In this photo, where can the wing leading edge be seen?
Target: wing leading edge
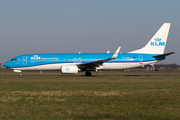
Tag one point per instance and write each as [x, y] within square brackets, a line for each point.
[93, 65]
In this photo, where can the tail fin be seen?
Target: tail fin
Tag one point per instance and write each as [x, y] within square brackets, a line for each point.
[157, 43]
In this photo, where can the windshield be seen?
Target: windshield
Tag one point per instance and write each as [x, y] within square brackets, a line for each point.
[13, 59]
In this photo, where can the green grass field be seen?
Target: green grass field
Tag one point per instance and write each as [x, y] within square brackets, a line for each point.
[122, 96]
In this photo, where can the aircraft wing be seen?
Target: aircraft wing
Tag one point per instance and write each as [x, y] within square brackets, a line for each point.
[94, 64]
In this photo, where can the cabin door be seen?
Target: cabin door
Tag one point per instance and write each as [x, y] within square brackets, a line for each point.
[24, 60]
[140, 59]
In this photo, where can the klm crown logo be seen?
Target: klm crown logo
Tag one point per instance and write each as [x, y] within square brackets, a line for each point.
[67, 69]
[35, 57]
[157, 42]
[157, 39]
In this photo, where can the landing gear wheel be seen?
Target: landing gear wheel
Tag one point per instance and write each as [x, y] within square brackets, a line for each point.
[88, 73]
[20, 74]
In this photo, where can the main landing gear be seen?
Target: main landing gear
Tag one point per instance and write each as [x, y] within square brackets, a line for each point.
[88, 73]
[20, 74]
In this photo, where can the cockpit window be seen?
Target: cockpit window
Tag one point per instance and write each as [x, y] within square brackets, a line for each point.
[13, 59]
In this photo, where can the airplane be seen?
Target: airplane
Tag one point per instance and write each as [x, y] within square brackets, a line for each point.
[72, 63]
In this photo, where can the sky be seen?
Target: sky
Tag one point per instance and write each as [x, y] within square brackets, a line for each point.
[89, 26]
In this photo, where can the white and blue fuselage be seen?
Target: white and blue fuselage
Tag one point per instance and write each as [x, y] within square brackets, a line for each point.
[55, 61]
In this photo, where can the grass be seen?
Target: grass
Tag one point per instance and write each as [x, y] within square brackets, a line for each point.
[86, 98]
[8, 72]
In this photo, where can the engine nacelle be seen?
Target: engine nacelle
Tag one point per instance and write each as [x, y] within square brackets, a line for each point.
[69, 69]
[18, 71]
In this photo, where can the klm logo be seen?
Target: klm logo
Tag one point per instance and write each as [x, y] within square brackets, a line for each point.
[67, 69]
[157, 42]
[35, 57]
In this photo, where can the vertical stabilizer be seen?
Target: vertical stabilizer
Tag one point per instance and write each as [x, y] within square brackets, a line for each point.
[157, 43]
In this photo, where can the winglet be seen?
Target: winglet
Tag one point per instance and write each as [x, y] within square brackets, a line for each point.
[114, 56]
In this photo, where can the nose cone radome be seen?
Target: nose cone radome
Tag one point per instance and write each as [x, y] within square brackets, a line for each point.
[7, 64]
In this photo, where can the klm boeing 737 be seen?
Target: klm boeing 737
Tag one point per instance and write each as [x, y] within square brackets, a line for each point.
[72, 63]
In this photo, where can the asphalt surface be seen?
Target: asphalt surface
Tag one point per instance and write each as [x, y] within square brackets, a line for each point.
[126, 76]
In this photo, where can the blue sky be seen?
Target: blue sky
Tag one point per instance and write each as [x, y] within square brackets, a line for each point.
[94, 26]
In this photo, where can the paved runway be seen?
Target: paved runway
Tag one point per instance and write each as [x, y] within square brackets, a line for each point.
[126, 76]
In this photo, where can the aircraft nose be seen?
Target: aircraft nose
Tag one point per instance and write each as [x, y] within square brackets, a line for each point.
[7, 64]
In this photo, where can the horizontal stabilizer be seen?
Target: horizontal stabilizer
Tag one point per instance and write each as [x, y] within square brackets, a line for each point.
[163, 55]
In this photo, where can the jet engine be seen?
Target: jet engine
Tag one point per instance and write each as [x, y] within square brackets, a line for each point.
[69, 69]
